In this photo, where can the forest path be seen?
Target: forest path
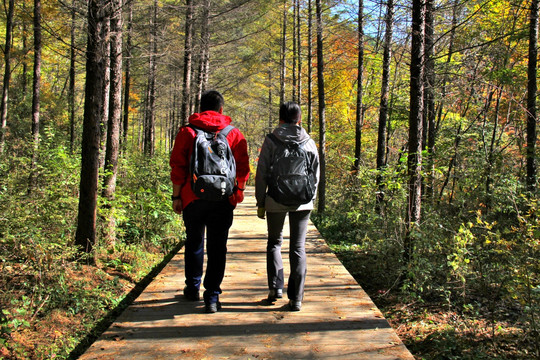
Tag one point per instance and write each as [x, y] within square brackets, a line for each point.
[338, 320]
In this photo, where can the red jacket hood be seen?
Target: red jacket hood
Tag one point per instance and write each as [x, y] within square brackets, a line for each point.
[210, 120]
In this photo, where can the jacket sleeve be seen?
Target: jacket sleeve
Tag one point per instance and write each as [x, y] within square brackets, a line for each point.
[180, 156]
[240, 152]
[263, 168]
[312, 149]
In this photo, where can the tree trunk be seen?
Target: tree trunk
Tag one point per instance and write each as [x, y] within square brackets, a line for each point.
[531, 97]
[441, 106]
[7, 76]
[127, 86]
[150, 116]
[283, 74]
[71, 95]
[448, 59]
[299, 51]
[310, 67]
[383, 110]
[429, 98]
[270, 102]
[174, 113]
[294, 55]
[106, 86]
[36, 86]
[115, 107]
[359, 88]
[202, 77]
[414, 162]
[85, 236]
[188, 49]
[24, 82]
[322, 109]
[490, 156]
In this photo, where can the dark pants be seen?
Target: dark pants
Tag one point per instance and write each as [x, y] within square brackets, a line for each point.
[298, 221]
[216, 218]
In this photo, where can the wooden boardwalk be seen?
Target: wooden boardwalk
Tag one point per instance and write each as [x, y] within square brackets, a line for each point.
[338, 320]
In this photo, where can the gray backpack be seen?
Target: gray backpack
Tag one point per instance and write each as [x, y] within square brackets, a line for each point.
[291, 179]
[213, 168]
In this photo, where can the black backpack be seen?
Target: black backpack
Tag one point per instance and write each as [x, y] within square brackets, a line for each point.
[291, 179]
[213, 168]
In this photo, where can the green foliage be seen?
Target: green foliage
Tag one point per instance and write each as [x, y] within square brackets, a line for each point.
[49, 298]
[479, 261]
[141, 208]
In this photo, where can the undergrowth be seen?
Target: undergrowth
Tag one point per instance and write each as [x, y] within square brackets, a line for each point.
[472, 288]
[51, 297]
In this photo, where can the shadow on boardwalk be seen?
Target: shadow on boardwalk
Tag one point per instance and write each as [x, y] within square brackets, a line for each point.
[338, 320]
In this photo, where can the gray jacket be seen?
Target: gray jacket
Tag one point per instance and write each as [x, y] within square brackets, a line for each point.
[286, 133]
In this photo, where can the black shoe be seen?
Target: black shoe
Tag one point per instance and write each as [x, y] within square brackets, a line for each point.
[191, 295]
[275, 294]
[295, 305]
[212, 307]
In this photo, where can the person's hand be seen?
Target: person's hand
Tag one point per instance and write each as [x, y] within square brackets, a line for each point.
[237, 197]
[239, 194]
[177, 206]
[260, 212]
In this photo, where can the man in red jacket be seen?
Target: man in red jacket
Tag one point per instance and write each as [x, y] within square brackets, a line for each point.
[199, 215]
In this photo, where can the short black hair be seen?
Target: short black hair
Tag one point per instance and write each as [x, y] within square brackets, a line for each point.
[211, 100]
[290, 112]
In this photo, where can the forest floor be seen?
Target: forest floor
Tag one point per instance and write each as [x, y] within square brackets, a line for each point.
[431, 331]
[437, 330]
[73, 310]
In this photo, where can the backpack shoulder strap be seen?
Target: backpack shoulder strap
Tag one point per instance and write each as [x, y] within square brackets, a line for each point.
[197, 129]
[274, 139]
[226, 130]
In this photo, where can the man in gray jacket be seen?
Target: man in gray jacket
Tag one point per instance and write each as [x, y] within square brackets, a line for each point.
[288, 131]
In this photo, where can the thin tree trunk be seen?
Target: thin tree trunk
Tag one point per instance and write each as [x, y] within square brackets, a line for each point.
[85, 236]
[383, 110]
[270, 101]
[283, 74]
[36, 86]
[106, 87]
[202, 77]
[188, 49]
[491, 152]
[379, 29]
[71, 96]
[310, 67]
[294, 54]
[359, 88]
[127, 86]
[174, 115]
[24, 82]
[531, 97]
[299, 51]
[115, 107]
[150, 116]
[7, 76]
[452, 162]
[395, 83]
[414, 162]
[442, 102]
[429, 98]
[322, 109]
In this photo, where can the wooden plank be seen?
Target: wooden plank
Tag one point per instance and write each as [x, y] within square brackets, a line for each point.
[338, 320]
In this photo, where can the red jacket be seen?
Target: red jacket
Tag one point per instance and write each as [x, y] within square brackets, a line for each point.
[183, 147]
